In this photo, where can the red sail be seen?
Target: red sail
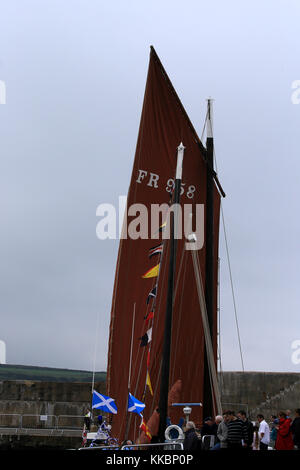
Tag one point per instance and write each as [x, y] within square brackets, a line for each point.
[164, 125]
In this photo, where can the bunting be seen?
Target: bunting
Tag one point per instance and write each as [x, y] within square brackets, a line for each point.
[146, 338]
[148, 359]
[144, 427]
[153, 272]
[149, 316]
[156, 250]
[162, 227]
[148, 382]
[152, 294]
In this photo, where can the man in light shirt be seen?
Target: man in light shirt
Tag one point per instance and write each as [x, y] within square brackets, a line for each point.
[263, 432]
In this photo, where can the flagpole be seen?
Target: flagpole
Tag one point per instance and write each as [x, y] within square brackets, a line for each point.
[165, 368]
[94, 363]
[129, 374]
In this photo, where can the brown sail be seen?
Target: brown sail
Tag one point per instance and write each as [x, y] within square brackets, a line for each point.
[164, 125]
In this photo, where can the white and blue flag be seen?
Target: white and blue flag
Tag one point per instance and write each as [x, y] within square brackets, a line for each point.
[104, 403]
[135, 405]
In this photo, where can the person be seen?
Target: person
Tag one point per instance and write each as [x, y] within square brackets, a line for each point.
[87, 419]
[237, 433]
[295, 428]
[209, 427]
[255, 443]
[273, 435]
[191, 441]
[284, 440]
[249, 429]
[263, 432]
[223, 432]
[127, 445]
[218, 421]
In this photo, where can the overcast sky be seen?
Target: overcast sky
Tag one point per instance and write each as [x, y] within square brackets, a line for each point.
[75, 74]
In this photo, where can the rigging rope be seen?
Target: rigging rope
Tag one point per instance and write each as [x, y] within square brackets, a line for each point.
[230, 274]
[232, 289]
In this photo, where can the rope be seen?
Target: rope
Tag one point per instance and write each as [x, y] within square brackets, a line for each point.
[232, 289]
[219, 349]
[230, 274]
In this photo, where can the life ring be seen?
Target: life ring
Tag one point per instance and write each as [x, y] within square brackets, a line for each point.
[177, 428]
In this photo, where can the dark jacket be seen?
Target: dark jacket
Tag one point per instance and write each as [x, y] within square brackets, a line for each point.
[249, 432]
[209, 430]
[295, 428]
[236, 432]
[191, 441]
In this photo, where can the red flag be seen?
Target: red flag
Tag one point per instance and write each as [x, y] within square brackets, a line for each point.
[149, 316]
[148, 359]
[145, 428]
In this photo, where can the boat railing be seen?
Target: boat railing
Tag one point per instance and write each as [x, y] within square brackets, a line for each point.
[172, 445]
[208, 441]
[152, 447]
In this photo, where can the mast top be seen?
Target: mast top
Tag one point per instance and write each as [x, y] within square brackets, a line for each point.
[209, 126]
[180, 152]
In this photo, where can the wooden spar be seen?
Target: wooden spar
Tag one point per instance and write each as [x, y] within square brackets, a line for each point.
[213, 378]
[165, 368]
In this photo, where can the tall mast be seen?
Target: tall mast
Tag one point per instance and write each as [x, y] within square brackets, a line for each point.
[165, 368]
[209, 263]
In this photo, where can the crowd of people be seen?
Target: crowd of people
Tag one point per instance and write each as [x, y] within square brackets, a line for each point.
[231, 431]
[235, 431]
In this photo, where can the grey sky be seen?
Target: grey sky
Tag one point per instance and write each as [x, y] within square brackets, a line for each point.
[75, 75]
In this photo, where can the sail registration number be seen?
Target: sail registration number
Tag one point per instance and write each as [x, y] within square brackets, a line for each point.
[152, 180]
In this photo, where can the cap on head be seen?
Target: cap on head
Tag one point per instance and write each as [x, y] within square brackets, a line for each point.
[209, 418]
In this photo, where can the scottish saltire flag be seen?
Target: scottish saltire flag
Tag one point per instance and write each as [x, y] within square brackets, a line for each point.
[101, 402]
[135, 405]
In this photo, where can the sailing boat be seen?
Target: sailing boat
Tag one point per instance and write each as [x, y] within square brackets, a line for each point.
[141, 278]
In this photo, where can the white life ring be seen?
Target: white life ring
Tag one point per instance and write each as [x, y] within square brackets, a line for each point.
[177, 428]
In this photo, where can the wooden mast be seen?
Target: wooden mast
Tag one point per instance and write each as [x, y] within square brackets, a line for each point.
[208, 405]
[165, 368]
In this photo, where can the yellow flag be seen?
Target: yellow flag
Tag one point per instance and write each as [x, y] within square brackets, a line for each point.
[148, 382]
[153, 272]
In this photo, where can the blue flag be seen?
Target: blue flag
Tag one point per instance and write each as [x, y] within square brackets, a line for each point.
[135, 405]
[104, 403]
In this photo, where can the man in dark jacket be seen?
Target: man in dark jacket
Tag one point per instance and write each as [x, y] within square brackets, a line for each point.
[295, 427]
[209, 428]
[237, 433]
[249, 429]
[191, 441]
